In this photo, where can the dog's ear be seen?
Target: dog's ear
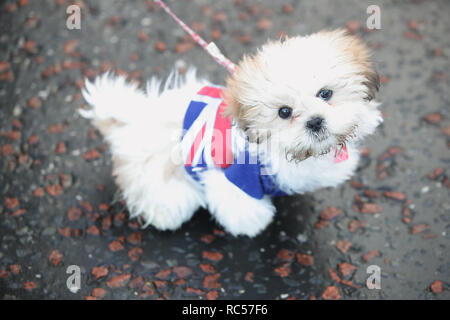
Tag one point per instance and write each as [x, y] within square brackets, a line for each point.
[358, 53]
[232, 93]
[243, 77]
[373, 84]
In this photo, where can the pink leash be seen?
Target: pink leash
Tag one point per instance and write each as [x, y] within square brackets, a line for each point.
[211, 48]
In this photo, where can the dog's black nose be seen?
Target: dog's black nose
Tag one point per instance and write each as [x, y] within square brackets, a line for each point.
[315, 124]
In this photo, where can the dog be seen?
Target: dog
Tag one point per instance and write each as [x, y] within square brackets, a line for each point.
[288, 121]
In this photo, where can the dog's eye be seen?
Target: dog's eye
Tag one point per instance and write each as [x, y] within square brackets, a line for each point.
[324, 94]
[285, 112]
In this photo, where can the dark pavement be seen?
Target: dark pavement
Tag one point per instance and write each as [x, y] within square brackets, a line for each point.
[56, 189]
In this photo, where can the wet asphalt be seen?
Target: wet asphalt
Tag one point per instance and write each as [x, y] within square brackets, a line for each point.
[57, 195]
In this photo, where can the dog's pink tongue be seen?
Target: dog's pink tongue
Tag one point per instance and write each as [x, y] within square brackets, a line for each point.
[341, 155]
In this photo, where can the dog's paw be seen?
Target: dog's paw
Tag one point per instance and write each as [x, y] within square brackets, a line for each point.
[247, 222]
[236, 211]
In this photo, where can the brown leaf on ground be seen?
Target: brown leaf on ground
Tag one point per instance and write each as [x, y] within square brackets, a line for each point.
[249, 276]
[119, 281]
[436, 286]
[212, 295]
[333, 274]
[207, 267]
[285, 255]
[30, 285]
[436, 173]
[210, 281]
[346, 269]
[98, 292]
[74, 213]
[417, 228]
[99, 272]
[11, 203]
[331, 293]
[343, 245]
[370, 255]
[395, 195]
[182, 272]
[91, 155]
[160, 46]
[213, 256]
[305, 259]
[34, 103]
[433, 118]
[283, 271]
[371, 208]
[329, 213]
[55, 257]
[135, 253]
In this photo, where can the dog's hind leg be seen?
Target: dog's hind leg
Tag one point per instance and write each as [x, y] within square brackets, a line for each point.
[157, 191]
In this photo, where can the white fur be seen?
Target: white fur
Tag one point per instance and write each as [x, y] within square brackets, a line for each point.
[144, 130]
[239, 213]
[143, 137]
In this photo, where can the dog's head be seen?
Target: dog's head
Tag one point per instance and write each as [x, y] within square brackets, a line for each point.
[313, 93]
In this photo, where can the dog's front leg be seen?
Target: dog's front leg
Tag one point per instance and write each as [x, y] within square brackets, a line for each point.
[236, 211]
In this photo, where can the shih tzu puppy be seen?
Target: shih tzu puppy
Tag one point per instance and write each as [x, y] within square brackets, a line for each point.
[288, 121]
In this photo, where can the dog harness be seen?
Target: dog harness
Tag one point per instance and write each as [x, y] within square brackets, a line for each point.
[210, 141]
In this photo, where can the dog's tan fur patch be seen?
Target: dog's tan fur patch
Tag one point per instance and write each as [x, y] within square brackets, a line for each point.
[360, 54]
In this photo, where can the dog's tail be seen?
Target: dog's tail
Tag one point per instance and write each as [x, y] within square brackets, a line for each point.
[114, 102]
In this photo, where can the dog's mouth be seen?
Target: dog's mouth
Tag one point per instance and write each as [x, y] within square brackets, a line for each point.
[339, 149]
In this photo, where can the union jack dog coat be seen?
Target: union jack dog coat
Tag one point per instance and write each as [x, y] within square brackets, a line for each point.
[210, 142]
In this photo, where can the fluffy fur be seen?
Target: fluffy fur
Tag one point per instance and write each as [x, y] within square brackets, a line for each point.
[144, 129]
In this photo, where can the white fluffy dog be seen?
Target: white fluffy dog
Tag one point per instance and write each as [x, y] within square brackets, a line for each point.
[287, 122]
